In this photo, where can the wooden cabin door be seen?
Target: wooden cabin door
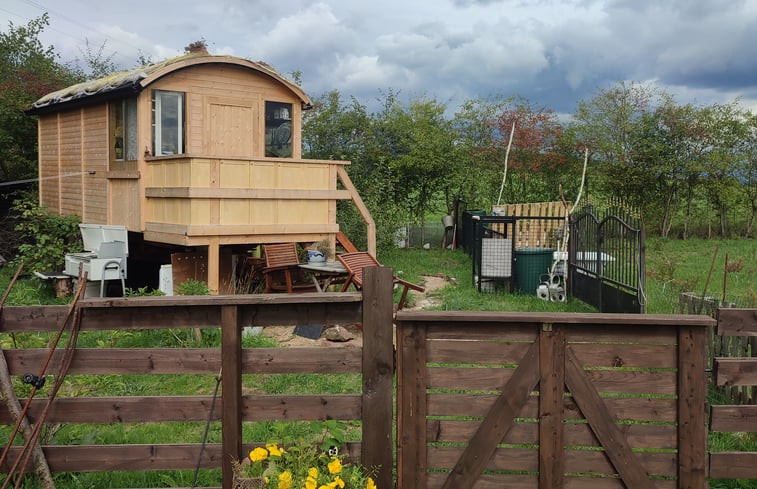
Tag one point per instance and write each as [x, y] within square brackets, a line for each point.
[230, 128]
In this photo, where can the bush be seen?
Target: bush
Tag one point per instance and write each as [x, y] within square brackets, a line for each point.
[46, 238]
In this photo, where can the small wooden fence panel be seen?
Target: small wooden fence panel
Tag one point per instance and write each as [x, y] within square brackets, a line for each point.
[735, 372]
[532, 400]
[538, 224]
[373, 361]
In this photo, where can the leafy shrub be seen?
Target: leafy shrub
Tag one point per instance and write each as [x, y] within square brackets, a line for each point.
[45, 237]
[192, 287]
[143, 292]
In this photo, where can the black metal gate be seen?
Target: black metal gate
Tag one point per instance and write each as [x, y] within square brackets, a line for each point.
[606, 260]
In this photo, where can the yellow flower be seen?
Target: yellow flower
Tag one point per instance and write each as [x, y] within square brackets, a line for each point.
[285, 480]
[335, 466]
[370, 484]
[310, 483]
[338, 482]
[274, 449]
[258, 454]
[313, 473]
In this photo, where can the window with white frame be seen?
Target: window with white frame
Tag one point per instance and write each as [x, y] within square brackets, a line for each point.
[168, 122]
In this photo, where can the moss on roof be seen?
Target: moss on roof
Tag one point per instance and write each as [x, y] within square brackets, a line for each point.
[133, 77]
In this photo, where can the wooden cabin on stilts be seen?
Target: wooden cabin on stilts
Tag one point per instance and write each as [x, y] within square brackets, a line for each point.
[199, 157]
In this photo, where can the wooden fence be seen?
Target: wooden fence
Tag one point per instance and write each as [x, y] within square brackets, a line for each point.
[539, 224]
[527, 400]
[517, 400]
[374, 361]
[735, 372]
[734, 346]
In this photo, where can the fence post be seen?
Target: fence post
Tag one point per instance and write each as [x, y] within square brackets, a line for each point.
[231, 368]
[378, 373]
[692, 430]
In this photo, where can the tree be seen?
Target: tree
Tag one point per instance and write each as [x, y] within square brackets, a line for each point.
[27, 72]
[423, 153]
[533, 153]
[729, 128]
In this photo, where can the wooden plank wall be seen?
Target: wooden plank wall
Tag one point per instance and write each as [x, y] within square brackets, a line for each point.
[94, 123]
[535, 232]
[734, 418]
[48, 162]
[374, 361]
[73, 163]
[633, 398]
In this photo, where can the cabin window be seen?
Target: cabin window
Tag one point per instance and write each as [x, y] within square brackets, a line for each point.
[125, 129]
[168, 122]
[278, 129]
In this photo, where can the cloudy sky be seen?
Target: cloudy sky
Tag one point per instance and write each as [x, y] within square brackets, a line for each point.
[553, 52]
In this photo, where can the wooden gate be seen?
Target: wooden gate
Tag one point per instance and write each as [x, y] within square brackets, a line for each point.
[535, 400]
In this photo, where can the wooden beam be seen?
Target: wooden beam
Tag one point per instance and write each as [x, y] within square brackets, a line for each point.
[735, 371]
[602, 423]
[411, 404]
[219, 230]
[378, 373]
[733, 465]
[551, 402]
[244, 193]
[362, 209]
[733, 418]
[692, 392]
[498, 421]
[231, 354]
[737, 322]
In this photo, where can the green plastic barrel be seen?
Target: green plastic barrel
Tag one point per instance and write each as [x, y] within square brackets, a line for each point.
[530, 265]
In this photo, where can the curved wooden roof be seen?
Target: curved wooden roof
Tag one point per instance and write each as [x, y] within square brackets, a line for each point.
[137, 79]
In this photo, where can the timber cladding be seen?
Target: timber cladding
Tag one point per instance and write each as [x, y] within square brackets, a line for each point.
[532, 400]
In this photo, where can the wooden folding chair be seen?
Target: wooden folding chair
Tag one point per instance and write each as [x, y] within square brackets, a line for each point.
[354, 264]
[282, 270]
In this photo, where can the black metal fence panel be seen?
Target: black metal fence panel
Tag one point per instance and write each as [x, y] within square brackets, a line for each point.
[606, 260]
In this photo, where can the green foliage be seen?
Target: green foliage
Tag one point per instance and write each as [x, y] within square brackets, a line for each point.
[28, 70]
[192, 287]
[45, 237]
[301, 462]
[144, 292]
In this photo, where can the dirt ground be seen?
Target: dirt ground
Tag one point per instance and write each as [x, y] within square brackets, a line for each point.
[284, 335]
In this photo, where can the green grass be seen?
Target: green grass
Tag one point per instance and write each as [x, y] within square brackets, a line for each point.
[675, 266]
[460, 294]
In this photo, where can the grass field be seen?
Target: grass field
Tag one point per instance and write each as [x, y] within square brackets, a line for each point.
[672, 267]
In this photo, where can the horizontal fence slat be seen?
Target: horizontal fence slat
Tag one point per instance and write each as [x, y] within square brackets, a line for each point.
[733, 465]
[189, 360]
[735, 371]
[475, 352]
[627, 409]
[620, 355]
[519, 481]
[737, 322]
[579, 461]
[641, 436]
[189, 312]
[460, 319]
[733, 418]
[99, 458]
[609, 381]
[147, 409]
